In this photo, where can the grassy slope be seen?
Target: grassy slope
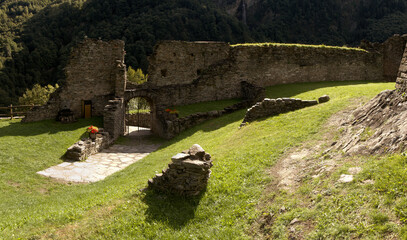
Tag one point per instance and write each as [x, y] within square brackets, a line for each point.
[115, 208]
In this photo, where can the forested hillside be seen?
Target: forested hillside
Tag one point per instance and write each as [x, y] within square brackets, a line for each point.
[333, 22]
[37, 35]
[36, 40]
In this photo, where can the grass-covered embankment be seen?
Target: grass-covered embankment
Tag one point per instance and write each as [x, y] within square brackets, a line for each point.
[32, 206]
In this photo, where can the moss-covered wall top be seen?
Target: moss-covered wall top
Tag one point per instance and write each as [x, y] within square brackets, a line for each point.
[265, 65]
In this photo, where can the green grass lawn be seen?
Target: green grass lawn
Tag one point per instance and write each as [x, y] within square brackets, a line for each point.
[33, 207]
[139, 111]
[298, 45]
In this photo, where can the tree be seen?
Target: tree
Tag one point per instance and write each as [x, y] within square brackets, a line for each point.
[37, 95]
[136, 76]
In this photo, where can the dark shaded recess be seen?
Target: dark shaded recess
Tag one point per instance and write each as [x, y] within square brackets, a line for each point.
[48, 37]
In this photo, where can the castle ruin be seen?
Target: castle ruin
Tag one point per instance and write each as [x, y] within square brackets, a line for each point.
[191, 72]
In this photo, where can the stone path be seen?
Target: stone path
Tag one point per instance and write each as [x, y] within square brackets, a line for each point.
[97, 167]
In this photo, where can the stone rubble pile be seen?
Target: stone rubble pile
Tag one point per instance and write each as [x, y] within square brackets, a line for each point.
[271, 107]
[186, 175]
[82, 149]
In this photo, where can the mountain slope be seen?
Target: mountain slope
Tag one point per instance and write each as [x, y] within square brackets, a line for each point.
[38, 42]
[36, 36]
[333, 22]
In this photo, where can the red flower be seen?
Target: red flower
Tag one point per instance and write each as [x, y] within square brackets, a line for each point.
[93, 129]
[168, 110]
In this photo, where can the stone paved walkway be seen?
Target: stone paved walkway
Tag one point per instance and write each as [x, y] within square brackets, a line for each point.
[97, 167]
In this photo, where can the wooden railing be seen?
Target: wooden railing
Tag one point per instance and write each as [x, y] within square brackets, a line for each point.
[16, 111]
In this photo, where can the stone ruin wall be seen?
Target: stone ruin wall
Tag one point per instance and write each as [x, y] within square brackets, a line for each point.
[191, 72]
[401, 82]
[177, 62]
[95, 72]
[393, 49]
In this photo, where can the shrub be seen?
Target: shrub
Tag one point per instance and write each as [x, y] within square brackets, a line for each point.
[37, 95]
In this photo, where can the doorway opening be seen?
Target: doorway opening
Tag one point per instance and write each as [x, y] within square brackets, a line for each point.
[86, 108]
[139, 114]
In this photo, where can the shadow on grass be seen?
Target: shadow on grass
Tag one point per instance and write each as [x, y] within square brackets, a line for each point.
[176, 211]
[16, 128]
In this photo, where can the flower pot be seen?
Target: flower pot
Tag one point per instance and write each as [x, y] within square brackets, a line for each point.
[92, 136]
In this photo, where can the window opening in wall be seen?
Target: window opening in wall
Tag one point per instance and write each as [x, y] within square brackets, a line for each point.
[163, 72]
[86, 108]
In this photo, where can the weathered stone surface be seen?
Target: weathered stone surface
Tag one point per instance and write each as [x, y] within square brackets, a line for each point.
[393, 49]
[270, 107]
[344, 178]
[379, 126]
[197, 151]
[100, 165]
[81, 150]
[180, 157]
[324, 99]
[95, 72]
[187, 175]
[170, 127]
[218, 69]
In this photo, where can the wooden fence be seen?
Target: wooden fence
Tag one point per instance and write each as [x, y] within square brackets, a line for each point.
[15, 111]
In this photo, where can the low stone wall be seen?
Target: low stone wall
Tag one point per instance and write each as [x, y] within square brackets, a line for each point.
[271, 107]
[139, 119]
[187, 175]
[173, 125]
[81, 150]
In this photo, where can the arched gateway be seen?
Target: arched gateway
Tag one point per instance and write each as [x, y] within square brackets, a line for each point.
[152, 99]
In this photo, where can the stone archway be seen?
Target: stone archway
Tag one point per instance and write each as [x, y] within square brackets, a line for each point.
[155, 124]
[139, 113]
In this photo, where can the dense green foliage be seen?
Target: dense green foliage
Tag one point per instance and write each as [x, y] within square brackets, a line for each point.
[35, 45]
[37, 95]
[331, 22]
[136, 76]
[36, 36]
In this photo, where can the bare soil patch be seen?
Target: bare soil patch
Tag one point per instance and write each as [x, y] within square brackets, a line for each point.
[310, 160]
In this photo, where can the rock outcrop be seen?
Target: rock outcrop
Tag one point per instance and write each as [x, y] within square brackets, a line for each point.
[186, 175]
[379, 126]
